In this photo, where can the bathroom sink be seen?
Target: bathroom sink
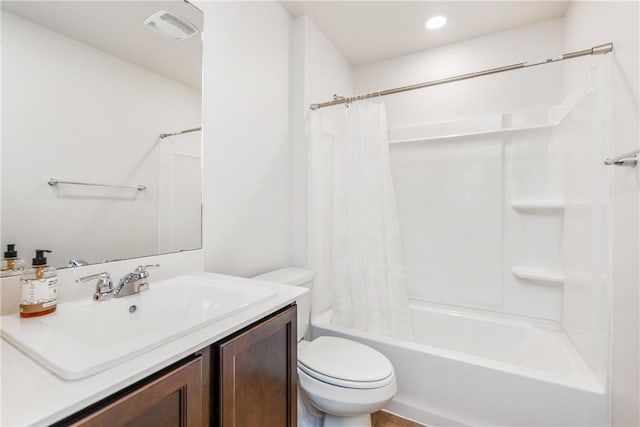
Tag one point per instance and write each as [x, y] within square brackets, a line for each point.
[85, 337]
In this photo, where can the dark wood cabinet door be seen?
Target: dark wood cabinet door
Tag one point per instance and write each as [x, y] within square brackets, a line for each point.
[256, 374]
[174, 398]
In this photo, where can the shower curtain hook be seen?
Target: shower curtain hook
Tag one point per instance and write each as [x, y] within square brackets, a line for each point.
[341, 98]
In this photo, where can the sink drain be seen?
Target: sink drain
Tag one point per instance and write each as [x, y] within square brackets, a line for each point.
[133, 308]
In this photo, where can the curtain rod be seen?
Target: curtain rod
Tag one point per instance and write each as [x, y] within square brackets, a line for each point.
[596, 50]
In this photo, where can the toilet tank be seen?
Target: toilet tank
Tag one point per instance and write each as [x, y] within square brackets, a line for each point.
[295, 277]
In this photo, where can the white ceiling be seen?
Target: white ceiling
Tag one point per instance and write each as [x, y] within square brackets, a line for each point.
[117, 27]
[365, 31]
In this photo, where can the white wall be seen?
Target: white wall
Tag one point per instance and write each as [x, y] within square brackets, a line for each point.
[318, 71]
[76, 113]
[587, 24]
[491, 94]
[247, 178]
[247, 195]
[460, 234]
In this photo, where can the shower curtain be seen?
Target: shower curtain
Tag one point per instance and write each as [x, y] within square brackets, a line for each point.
[354, 236]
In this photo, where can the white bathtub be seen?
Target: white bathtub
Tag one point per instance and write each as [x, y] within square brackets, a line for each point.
[467, 367]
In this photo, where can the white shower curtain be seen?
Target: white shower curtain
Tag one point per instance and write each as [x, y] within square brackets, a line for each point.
[354, 237]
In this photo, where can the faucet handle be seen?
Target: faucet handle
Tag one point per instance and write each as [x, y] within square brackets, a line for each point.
[101, 276]
[104, 287]
[142, 272]
[144, 267]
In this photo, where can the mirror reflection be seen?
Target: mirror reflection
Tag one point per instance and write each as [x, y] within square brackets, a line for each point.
[95, 97]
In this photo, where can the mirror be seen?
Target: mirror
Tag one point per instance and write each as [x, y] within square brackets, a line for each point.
[87, 91]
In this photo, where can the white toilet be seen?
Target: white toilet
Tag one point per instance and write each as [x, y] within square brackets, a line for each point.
[341, 379]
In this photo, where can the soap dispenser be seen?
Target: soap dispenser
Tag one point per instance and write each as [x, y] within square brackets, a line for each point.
[11, 264]
[38, 288]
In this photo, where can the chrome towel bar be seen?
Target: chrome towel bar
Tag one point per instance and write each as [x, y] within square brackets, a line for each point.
[165, 135]
[54, 181]
[629, 160]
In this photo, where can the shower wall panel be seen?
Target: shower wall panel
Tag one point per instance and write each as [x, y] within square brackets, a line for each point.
[481, 213]
[455, 255]
[586, 136]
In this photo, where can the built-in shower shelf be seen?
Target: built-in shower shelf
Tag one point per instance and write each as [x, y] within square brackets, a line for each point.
[490, 124]
[537, 274]
[504, 130]
[538, 205]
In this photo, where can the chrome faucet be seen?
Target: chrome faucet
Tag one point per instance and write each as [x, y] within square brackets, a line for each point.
[77, 262]
[135, 282]
[104, 286]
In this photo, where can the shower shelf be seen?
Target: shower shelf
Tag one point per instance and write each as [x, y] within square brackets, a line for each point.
[537, 205]
[468, 134]
[489, 124]
[537, 274]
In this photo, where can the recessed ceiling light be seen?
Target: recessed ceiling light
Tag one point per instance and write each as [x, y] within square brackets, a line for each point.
[436, 22]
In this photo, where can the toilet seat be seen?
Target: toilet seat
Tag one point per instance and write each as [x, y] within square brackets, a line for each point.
[345, 363]
[344, 401]
[346, 383]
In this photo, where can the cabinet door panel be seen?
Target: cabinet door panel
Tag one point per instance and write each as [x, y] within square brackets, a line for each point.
[173, 399]
[257, 375]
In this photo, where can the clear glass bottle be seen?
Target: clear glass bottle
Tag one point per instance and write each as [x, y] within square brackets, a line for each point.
[11, 264]
[38, 288]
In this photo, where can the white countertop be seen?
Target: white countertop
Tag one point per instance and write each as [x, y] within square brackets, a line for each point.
[31, 395]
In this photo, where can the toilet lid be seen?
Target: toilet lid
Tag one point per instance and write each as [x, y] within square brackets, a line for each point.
[345, 363]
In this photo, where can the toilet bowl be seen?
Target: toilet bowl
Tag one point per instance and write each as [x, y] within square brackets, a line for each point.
[340, 380]
[345, 380]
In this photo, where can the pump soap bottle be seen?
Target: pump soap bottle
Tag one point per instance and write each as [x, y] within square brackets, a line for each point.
[11, 264]
[38, 288]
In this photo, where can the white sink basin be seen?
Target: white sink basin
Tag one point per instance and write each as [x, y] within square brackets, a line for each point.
[85, 337]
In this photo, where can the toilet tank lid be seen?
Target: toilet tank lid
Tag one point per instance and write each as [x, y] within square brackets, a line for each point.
[287, 276]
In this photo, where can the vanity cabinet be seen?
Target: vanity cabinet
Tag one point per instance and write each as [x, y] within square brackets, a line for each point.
[176, 397]
[247, 379]
[256, 375]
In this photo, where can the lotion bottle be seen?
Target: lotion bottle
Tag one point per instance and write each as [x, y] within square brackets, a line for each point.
[38, 288]
[11, 264]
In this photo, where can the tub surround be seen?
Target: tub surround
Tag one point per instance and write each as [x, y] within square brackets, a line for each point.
[24, 381]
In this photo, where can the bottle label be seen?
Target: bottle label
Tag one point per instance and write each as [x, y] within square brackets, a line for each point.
[38, 294]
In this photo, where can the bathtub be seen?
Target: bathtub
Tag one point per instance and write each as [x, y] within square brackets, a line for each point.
[468, 367]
